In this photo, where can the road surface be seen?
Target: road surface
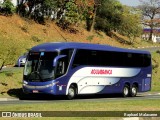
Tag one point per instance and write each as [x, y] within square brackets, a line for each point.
[50, 99]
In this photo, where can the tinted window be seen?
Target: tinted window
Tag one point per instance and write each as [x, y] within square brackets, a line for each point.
[147, 60]
[80, 58]
[110, 58]
[68, 53]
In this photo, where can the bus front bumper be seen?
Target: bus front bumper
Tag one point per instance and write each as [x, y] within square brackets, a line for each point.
[47, 88]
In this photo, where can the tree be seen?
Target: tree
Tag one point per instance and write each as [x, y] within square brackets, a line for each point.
[37, 9]
[92, 6]
[150, 10]
[72, 15]
[113, 16]
[130, 23]
[7, 7]
[50, 4]
[76, 11]
[84, 8]
[109, 16]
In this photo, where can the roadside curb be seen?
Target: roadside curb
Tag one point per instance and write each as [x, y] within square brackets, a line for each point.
[9, 99]
[154, 93]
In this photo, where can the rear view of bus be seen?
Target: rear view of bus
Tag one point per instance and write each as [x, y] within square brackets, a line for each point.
[77, 68]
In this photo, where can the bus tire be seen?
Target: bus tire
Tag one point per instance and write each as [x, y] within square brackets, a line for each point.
[71, 92]
[133, 91]
[126, 91]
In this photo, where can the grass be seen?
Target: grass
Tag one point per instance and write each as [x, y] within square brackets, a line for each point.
[10, 80]
[156, 71]
[121, 105]
[75, 105]
[66, 118]
[90, 38]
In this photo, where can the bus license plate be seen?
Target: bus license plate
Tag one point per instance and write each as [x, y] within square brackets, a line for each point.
[35, 91]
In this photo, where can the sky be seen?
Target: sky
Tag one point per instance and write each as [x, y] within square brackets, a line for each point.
[130, 2]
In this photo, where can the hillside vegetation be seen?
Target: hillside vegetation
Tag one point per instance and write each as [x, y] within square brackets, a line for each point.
[17, 28]
[17, 35]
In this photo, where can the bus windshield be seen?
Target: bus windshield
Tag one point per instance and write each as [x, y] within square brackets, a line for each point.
[39, 66]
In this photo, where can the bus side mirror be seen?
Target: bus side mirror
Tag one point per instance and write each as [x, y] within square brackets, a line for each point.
[55, 61]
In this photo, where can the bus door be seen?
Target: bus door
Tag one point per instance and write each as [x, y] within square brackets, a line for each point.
[146, 84]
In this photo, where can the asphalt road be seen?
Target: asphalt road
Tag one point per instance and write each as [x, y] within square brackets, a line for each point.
[91, 98]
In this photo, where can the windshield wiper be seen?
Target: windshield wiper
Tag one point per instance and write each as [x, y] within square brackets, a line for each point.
[36, 73]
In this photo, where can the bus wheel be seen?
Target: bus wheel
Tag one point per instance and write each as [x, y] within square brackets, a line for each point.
[71, 92]
[126, 91]
[133, 91]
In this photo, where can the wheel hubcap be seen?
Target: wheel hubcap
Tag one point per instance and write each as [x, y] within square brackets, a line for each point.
[71, 92]
[134, 91]
[125, 91]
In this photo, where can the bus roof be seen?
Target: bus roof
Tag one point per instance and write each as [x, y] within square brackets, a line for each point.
[52, 46]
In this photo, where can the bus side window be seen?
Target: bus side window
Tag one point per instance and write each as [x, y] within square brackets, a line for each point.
[68, 53]
[80, 58]
[61, 67]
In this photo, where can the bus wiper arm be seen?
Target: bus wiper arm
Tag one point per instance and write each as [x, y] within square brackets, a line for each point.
[36, 73]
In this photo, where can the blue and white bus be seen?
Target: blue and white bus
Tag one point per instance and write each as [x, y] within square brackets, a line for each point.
[80, 68]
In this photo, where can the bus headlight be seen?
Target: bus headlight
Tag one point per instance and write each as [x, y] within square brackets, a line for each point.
[25, 83]
[52, 84]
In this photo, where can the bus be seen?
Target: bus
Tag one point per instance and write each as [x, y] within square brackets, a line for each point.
[71, 69]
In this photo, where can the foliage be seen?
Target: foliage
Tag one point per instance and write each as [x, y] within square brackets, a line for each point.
[112, 16]
[91, 15]
[7, 7]
[130, 23]
[37, 9]
[51, 4]
[83, 9]
[8, 52]
[65, 13]
[90, 38]
[150, 9]
[108, 16]
[72, 15]
[155, 71]
[75, 12]
[36, 39]
[24, 28]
